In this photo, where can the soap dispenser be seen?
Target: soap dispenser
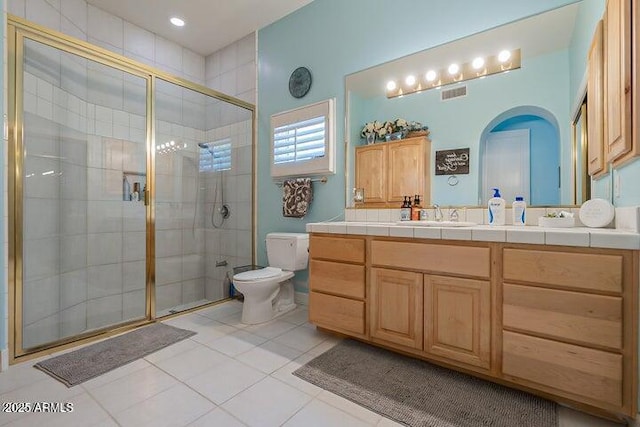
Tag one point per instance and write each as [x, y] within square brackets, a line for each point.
[405, 209]
[496, 209]
[415, 209]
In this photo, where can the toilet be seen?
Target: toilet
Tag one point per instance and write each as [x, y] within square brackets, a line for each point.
[268, 292]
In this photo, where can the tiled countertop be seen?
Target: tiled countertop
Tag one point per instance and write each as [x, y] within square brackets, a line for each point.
[577, 236]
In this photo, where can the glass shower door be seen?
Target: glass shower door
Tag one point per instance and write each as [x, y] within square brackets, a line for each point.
[203, 195]
[80, 181]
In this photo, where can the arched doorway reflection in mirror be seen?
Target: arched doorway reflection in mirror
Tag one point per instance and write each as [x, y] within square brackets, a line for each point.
[520, 155]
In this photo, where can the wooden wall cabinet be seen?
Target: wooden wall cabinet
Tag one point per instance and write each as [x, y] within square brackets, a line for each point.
[596, 162]
[395, 308]
[389, 171]
[457, 318]
[617, 43]
[371, 172]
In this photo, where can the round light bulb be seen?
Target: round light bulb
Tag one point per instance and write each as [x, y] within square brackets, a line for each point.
[504, 56]
[478, 63]
[391, 85]
[177, 21]
[410, 80]
[431, 75]
[453, 69]
[172, 143]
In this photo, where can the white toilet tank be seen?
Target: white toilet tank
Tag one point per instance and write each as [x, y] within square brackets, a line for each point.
[288, 251]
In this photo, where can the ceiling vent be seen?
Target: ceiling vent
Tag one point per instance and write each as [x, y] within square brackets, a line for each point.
[456, 92]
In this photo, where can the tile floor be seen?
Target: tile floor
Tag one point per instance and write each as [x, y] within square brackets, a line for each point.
[229, 374]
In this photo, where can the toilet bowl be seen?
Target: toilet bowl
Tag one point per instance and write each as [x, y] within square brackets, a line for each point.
[268, 292]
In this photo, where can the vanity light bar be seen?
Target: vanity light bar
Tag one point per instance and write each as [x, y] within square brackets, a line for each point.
[504, 61]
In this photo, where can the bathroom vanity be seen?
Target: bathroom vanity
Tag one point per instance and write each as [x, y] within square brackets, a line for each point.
[556, 320]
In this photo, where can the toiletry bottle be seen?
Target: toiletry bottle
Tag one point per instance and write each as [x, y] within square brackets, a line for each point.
[405, 210]
[415, 209]
[135, 195]
[496, 209]
[126, 189]
[519, 208]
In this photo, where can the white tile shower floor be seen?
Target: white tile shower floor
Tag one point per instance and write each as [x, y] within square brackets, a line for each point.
[229, 374]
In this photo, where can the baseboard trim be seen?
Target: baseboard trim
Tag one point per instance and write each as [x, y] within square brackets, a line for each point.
[301, 298]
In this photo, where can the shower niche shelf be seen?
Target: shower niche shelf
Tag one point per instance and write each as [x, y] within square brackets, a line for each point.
[134, 185]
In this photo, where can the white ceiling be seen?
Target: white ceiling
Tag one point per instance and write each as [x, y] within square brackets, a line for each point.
[210, 24]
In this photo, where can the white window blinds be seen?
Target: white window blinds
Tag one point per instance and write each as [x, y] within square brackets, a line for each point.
[299, 141]
[302, 141]
[217, 157]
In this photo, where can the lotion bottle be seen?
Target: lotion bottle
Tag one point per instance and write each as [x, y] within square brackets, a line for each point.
[497, 209]
[519, 208]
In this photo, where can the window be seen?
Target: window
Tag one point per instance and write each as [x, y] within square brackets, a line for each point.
[303, 140]
[216, 157]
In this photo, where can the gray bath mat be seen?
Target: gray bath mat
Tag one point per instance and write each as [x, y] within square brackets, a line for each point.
[89, 362]
[418, 393]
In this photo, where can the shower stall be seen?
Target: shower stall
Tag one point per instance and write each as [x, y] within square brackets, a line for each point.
[130, 191]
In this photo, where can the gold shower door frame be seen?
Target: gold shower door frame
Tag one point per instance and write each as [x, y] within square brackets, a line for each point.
[18, 30]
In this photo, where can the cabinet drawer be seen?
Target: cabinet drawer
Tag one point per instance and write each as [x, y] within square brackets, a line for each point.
[337, 248]
[337, 313]
[465, 260]
[337, 278]
[582, 371]
[572, 270]
[583, 318]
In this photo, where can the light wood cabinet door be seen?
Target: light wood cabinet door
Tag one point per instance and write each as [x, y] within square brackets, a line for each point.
[457, 318]
[395, 309]
[371, 172]
[595, 107]
[617, 79]
[406, 174]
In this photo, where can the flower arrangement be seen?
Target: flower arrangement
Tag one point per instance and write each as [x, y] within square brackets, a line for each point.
[381, 130]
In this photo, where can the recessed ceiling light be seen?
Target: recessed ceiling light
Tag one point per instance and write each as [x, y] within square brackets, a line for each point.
[431, 75]
[410, 80]
[177, 21]
[391, 85]
[453, 69]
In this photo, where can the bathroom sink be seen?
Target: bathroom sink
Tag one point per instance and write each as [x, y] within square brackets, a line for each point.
[436, 223]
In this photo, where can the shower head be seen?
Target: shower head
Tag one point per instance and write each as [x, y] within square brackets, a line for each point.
[206, 146]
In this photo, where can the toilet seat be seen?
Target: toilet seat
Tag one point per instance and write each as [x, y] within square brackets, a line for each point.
[260, 274]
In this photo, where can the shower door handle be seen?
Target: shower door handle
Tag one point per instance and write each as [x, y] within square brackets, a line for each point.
[146, 197]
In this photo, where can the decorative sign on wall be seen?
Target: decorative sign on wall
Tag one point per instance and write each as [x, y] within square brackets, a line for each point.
[452, 162]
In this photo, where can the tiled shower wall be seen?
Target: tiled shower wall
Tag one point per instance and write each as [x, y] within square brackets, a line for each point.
[78, 19]
[232, 70]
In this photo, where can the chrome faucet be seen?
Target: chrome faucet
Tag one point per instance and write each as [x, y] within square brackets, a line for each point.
[438, 213]
[453, 215]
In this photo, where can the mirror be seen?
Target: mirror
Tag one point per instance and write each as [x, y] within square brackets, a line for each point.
[542, 97]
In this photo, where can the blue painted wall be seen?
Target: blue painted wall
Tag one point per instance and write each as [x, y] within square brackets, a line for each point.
[459, 123]
[334, 38]
[545, 157]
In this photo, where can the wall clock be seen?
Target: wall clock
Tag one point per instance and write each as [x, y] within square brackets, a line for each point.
[300, 82]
